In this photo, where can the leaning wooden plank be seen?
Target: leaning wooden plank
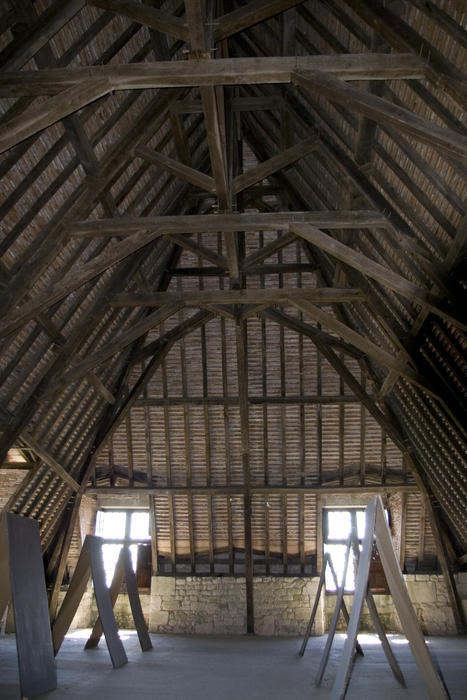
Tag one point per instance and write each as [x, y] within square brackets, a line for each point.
[335, 618]
[404, 607]
[445, 140]
[22, 554]
[315, 605]
[73, 597]
[345, 612]
[371, 605]
[55, 108]
[115, 588]
[382, 637]
[104, 606]
[135, 603]
[223, 71]
[361, 585]
[147, 15]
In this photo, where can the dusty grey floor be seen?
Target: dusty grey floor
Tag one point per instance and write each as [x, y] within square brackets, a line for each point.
[235, 668]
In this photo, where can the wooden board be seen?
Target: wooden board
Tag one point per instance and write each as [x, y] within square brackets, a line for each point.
[135, 603]
[376, 525]
[104, 605]
[22, 577]
[124, 571]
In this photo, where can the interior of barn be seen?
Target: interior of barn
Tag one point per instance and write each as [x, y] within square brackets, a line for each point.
[233, 292]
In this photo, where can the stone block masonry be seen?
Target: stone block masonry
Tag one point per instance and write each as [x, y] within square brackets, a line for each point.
[282, 606]
[197, 605]
[430, 601]
[216, 605]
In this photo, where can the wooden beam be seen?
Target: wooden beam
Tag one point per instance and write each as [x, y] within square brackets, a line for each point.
[266, 269]
[307, 399]
[222, 71]
[270, 166]
[213, 223]
[250, 14]
[174, 167]
[325, 295]
[401, 37]
[100, 387]
[446, 141]
[376, 271]
[362, 343]
[51, 462]
[52, 110]
[75, 279]
[242, 375]
[230, 490]
[49, 23]
[239, 104]
[200, 250]
[111, 348]
[145, 14]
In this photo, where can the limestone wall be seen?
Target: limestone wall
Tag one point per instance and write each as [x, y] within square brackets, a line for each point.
[87, 613]
[217, 605]
[429, 599]
[282, 606]
[202, 605]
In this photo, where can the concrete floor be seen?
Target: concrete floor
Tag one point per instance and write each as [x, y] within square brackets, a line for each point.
[235, 668]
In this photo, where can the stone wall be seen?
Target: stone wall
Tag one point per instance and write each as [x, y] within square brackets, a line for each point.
[282, 606]
[198, 605]
[87, 613]
[10, 479]
[216, 605]
[429, 598]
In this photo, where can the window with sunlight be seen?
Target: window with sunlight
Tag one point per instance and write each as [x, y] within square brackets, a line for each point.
[119, 527]
[337, 526]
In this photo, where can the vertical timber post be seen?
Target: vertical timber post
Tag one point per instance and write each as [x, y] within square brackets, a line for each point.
[242, 373]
